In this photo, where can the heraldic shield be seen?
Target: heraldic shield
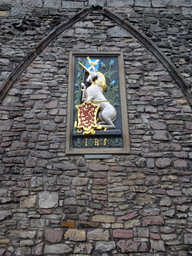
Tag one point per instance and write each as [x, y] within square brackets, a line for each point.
[87, 117]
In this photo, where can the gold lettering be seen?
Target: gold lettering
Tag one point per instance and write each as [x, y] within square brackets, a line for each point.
[96, 142]
[86, 142]
[105, 142]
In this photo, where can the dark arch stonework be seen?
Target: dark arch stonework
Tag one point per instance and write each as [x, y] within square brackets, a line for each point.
[14, 76]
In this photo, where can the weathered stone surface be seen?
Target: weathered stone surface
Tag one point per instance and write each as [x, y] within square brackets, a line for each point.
[85, 248]
[23, 251]
[5, 241]
[48, 199]
[143, 232]
[150, 109]
[141, 189]
[72, 4]
[75, 235]
[157, 246]
[163, 162]
[5, 125]
[97, 2]
[155, 236]
[70, 201]
[2, 251]
[22, 234]
[68, 224]
[89, 224]
[38, 249]
[167, 237]
[188, 238]
[146, 199]
[98, 234]
[37, 223]
[3, 191]
[105, 246]
[36, 182]
[98, 167]
[132, 223]
[159, 191]
[188, 191]
[28, 202]
[151, 211]
[5, 214]
[189, 125]
[44, 211]
[161, 135]
[158, 125]
[53, 235]
[50, 126]
[52, 104]
[131, 246]
[57, 249]
[180, 164]
[3, 14]
[52, 4]
[165, 201]
[151, 180]
[136, 176]
[80, 181]
[103, 218]
[64, 166]
[169, 147]
[172, 178]
[152, 220]
[118, 32]
[173, 192]
[123, 233]
[128, 216]
[121, 3]
[31, 162]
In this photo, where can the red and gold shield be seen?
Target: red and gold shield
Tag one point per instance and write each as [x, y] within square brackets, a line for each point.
[87, 117]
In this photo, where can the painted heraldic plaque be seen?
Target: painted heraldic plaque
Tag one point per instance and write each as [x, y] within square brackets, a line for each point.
[97, 111]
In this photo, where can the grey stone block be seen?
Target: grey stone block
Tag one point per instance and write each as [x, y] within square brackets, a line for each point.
[118, 32]
[181, 3]
[71, 4]
[48, 199]
[174, 3]
[143, 3]
[18, 12]
[32, 3]
[38, 3]
[97, 2]
[188, 238]
[160, 3]
[57, 249]
[186, 11]
[52, 3]
[120, 3]
[105, 246]
[13, 3]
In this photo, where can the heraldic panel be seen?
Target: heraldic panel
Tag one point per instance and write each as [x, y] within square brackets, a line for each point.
[97, 110]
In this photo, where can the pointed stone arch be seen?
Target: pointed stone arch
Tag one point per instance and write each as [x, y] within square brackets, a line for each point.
[31, 56]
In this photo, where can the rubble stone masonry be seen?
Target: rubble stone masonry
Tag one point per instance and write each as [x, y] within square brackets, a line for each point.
[53, 204]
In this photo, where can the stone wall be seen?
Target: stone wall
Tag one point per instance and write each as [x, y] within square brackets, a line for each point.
[53, 204]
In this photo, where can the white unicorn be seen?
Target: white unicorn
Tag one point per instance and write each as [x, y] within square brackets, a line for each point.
[94, 93]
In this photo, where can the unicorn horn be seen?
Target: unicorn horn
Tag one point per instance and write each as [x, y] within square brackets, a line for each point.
[84, 67]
